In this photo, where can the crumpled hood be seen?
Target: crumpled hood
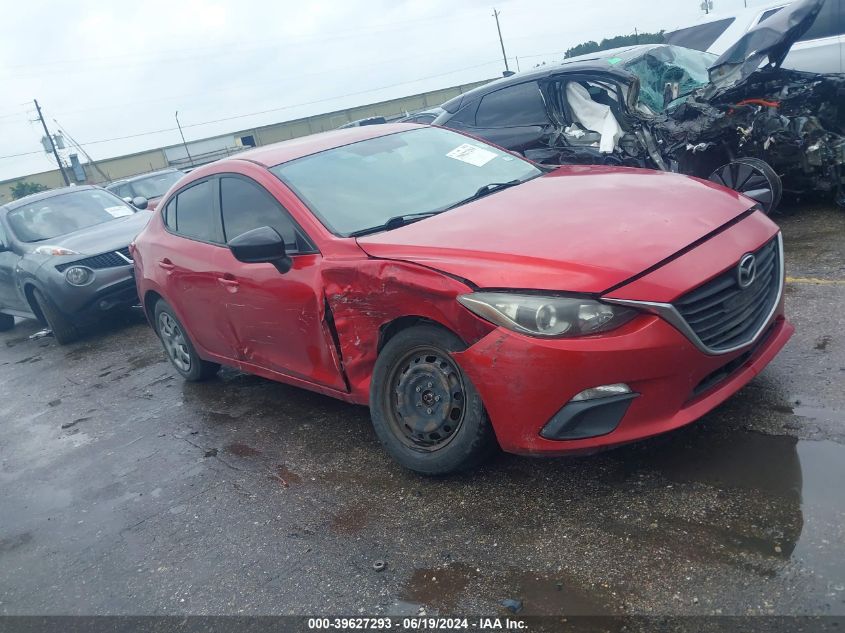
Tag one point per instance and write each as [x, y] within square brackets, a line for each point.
[771, 38]
[105, 237]
[577, 229]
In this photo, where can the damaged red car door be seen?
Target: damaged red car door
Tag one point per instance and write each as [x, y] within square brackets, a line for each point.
[277, 319]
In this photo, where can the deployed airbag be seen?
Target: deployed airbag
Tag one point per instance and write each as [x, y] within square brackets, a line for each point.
[594, 116]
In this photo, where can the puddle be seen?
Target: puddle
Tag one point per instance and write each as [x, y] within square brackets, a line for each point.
[449, 588]
[779, 497]
[242, 450]
[822, 544]
[751, 461]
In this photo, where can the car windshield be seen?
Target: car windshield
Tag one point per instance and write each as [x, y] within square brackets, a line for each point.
[667, 73]
[365, 184]
[66, 213]
[156, 185]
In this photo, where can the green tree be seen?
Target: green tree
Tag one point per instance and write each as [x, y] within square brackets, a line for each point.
[614, 42]
[25, 188]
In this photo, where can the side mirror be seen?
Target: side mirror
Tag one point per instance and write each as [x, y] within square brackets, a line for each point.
[140, 202]
[263, 245]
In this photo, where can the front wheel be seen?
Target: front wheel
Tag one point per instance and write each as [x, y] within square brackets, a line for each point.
[753, 178]
[64, 330]
[425, 411]
[179, 348]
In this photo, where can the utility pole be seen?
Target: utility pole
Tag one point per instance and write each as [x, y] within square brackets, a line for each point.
[52, 144]
[502, 42]
[187, 151]
[82, 149]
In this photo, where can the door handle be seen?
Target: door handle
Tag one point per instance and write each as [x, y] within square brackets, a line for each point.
[166, 264]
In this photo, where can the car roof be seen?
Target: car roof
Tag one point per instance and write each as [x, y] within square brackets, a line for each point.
[277, 153]
[610, 61]
[137, 177]
[35, 197]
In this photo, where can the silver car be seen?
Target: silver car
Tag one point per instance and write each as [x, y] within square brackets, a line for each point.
[64, 258]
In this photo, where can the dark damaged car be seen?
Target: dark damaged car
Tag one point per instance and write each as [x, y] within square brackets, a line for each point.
[755, 128]
[64, 258]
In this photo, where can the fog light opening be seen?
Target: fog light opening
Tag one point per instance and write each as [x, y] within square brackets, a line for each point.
[79, 275]
[603, 391]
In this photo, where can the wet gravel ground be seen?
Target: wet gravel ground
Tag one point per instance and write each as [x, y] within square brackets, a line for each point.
[124, 490]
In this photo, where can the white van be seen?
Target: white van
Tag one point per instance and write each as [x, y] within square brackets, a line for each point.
[820, 50]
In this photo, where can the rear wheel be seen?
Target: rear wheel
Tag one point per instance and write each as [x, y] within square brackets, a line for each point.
[7, 322]
[64, 330]
[753, 178]
[425, 411]
[178, 346]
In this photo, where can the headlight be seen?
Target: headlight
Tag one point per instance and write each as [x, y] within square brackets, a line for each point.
[53, 250]
[79, 276]
[562, 317]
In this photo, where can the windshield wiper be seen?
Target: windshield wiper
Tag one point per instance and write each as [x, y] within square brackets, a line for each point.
[486, 190]
[395, 222]
[408, 218]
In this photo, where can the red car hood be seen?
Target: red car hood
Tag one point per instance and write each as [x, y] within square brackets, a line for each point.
[577, 229]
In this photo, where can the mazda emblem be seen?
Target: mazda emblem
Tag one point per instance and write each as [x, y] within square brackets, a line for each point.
[746, 271]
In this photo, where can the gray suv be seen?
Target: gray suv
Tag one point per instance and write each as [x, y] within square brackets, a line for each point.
[64, 258]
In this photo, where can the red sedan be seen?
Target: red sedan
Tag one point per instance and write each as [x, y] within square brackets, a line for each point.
[471, 298]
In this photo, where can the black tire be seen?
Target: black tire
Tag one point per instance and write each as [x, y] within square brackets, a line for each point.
[178, 346]
[426, 412]
[64, 330]
[754, 178]
[7, 322]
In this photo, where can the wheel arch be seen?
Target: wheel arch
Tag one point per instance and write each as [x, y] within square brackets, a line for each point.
[150, 299]
[29, 289]
[390, 329]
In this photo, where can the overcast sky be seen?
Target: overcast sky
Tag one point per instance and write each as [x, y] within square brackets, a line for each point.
[106, 70]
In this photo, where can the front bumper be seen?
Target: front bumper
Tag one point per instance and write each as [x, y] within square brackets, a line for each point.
[111, 288]
[525, 382]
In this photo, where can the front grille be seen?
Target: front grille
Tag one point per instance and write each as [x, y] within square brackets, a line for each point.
[727, 370]
[105, 260]
[722, 314]
[125, 252]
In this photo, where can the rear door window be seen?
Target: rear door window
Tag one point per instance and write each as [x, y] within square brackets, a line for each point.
[514, 106]
[767, 14]
[196, 216]
[246, 205]
[829, 22]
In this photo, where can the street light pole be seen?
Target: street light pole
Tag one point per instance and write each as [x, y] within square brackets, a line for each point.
[502, 42]
[52, 144]
[184, 143]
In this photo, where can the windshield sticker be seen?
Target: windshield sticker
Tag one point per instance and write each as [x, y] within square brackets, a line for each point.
[118, 212]
[614, 60]
[472, 154]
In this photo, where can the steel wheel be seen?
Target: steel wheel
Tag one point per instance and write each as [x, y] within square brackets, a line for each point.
[753, 178]
[427, 399]
[174, 342]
